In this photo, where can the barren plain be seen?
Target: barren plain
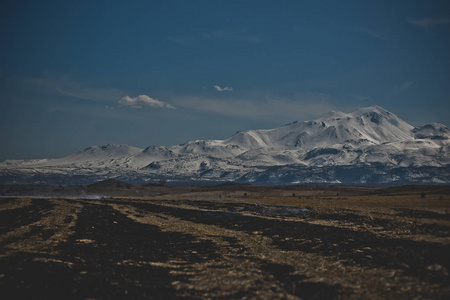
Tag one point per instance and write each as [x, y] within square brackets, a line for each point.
[239, 242]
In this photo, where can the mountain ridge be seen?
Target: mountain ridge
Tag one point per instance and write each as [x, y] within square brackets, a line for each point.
[366, 137]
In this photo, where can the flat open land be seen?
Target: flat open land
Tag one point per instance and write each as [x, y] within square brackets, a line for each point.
[226, 242]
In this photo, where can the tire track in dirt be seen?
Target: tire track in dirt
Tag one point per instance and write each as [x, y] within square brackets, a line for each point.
[260, 248]
[232, 274]
[417, 258]
[391, 226]
[102, 258]
[13, 203]
[167, 249]
[48, 223]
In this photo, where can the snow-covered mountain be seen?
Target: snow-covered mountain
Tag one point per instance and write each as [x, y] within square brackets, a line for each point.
[367, 126]
[367, 146]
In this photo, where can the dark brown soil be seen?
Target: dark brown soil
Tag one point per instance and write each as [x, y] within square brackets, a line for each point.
[164, 249]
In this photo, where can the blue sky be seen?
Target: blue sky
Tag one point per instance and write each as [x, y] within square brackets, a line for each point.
[81, 73]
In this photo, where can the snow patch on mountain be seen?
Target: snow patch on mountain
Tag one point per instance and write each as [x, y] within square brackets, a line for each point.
[371, 139]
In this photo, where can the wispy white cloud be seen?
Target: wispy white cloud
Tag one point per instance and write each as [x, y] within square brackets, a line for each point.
[275, 109]
[427, 22]
[64, 85]
[400, 88]
[143, 100]
[224, 89]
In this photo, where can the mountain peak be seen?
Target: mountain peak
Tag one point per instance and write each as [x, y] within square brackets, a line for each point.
[372, 110]
[108, 147]
[109, 150]
[332, 114]
[365, 126]
[375, 107]
[366, 136]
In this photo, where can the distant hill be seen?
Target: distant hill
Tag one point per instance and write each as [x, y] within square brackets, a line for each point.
[368, 146]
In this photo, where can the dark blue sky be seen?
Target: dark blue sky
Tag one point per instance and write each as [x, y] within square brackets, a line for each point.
[81, 73]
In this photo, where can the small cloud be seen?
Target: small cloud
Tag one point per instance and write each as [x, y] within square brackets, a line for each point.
[426, 22]
[143, 100]
[224, 89]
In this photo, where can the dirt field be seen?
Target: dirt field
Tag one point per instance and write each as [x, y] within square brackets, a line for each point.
[229, 242]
